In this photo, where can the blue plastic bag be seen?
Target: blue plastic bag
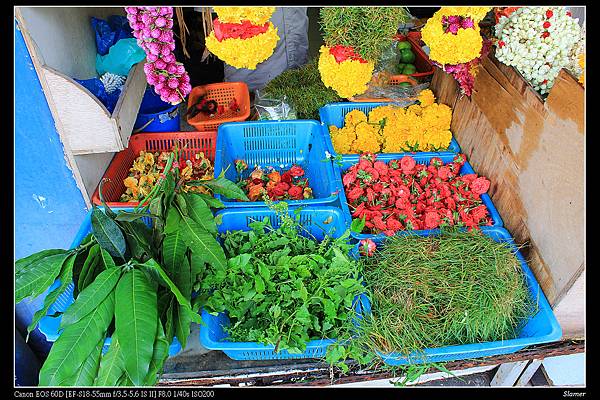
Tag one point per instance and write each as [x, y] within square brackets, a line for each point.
[110, 32]
[95, 86]
[120, 58]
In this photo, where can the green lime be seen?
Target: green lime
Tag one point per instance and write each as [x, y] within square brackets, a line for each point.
[404, 84]
[404, 45]
[400, 68]
[409, 69]
[407, 56]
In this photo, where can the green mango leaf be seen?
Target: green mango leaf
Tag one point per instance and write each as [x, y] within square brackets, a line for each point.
[76, 343]
[202, 242]
[108, 234]
[182, 279]
[160, 354]
[66, 277]
[155, 206]
[225, 187]
[136, 315]
[173, 220]
[173, 252]
[107, 260]
[39, 276]
[89, 298]
[112, 364]
[129, 216]
[88, 371]
[197, 266]
[124, 380]
[200, 212]
[139, 239]
[23, 264]
[211, 201]
[169, 325]
[93, 260]
[181, 299]
[180, 201]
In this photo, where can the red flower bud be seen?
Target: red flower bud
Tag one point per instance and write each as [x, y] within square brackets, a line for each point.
[549, 13]
[546, 25]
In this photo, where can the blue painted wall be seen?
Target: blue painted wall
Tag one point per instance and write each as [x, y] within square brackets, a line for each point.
[48, 205]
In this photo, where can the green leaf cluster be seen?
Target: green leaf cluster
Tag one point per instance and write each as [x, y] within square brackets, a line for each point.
[303, 89]
[132, 284]
[283, 287]
[369, 30]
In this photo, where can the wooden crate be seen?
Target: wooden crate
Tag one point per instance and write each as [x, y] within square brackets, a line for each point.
[533, 153]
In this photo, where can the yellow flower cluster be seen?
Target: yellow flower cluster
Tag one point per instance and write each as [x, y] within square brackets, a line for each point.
[235, 15]
[244, 53]
[347, 78]
[393, 129]
[148, 166]
[447, 48]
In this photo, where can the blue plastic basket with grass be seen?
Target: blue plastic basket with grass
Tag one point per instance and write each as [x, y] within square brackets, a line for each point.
[277, 144]
[542, 327]
[420, 158]
[334, 114]
[318, 222]
[49, 326]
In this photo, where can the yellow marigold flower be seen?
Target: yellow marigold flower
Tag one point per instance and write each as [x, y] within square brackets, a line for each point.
[149, 158]
[447, 48]
[354, 117]
[426, 98]
[381, 112]
[235, 15]
[244, 53]
[415, 109]
[130, 182]
[342, 140]
[347, 78]
[367, 139]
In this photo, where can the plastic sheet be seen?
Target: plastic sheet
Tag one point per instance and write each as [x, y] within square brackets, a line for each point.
[273, 108]
[110, 32]
[120, 58]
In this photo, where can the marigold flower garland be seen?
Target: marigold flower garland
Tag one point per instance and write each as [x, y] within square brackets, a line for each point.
[391, 129]
[243, 37]
[152, 27]
[354, 39]
[537, 41]
[455, 42]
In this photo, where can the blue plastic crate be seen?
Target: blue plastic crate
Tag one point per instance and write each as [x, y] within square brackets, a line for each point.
[279, 144]
[541, 328]
[334, 114]
[49, 326]
[212, 335]
[420, 158]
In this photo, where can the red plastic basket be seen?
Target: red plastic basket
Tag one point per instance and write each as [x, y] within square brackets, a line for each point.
[190, 143]
[222, 93]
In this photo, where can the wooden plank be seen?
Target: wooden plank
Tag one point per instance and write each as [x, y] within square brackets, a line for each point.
[528, 373]
[86, 122]
[128, 105]
[315, 373]
[532, 151]
[508, 373]
[570, 310]
[65, 36]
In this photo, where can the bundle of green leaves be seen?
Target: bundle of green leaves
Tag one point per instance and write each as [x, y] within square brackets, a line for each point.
[132, 283]
[303, 89]
[281, 288]
[456, 288]
[369, 30]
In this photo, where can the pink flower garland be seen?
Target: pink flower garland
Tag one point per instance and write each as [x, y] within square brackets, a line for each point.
[465, 73]
[152, 27]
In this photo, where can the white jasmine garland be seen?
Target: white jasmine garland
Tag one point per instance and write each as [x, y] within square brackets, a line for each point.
[536, 51]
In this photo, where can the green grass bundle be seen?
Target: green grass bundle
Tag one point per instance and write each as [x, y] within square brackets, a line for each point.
[304, 90]
[458, 288]
[368, 29]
